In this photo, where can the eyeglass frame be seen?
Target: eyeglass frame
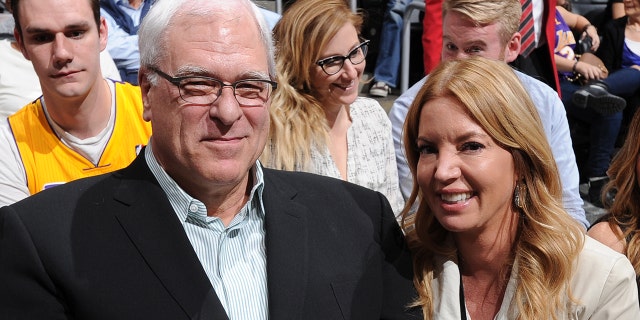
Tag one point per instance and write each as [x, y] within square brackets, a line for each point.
[177, 80]
[322, 62]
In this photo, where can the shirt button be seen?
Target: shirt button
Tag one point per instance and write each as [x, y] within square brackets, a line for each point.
[193, 208]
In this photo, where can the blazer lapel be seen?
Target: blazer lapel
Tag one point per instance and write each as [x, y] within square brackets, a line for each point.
[287, 249]
[154, 229]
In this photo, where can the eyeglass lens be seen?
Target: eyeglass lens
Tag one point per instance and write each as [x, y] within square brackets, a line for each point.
[333, 65]
[206, 91]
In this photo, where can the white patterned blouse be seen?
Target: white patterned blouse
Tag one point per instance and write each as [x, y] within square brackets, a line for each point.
[371, 160]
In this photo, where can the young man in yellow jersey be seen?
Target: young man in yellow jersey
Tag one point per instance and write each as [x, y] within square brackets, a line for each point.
[83, 124]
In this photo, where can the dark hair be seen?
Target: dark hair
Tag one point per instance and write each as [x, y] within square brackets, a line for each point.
[95, 7]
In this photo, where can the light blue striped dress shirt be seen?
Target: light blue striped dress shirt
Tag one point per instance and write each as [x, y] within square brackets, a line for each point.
[233, 257]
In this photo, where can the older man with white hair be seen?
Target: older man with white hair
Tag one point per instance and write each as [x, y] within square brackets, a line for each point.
[195, 227]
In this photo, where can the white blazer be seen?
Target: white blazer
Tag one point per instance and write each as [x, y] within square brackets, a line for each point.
[604, 284]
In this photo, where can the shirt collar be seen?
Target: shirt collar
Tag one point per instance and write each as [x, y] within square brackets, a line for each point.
[183, 203]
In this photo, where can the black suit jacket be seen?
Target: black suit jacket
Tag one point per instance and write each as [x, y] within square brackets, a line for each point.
[610, 50]
[111, 247]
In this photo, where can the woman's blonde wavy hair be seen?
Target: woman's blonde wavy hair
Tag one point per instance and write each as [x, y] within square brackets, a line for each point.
[625, 210]
[548, 240]
[298, 121]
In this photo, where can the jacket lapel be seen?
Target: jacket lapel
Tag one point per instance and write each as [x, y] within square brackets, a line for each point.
[287, 249]
[153, 227]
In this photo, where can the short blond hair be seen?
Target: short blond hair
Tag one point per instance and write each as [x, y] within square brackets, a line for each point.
[483, 12]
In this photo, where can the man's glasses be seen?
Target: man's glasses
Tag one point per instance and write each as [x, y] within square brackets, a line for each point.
[206, 90]
[333, 65]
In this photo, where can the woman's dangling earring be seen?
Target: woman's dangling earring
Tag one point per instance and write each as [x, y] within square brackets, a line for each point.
[516, 197]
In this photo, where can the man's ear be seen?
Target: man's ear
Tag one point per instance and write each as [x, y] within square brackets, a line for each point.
[512, 49]
[145, 87]
[103, 32]
[19, 40]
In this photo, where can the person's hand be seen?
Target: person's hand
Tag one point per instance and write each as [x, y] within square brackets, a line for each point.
[635, 66]
[592, 32]
[588, 71]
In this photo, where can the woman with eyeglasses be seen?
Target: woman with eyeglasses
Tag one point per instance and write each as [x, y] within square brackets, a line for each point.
[319, 124]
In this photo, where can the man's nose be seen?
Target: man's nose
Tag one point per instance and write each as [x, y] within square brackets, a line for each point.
[226, 108]
[62, 53]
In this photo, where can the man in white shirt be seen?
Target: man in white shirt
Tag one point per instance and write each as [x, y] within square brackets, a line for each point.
[490, 29]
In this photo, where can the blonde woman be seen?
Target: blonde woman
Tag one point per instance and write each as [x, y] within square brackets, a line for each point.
[490, 237]
[319, 124]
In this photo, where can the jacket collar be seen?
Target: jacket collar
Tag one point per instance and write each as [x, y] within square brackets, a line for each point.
[152, 226]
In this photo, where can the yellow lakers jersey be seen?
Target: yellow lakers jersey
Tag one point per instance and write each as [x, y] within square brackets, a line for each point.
[49, 162]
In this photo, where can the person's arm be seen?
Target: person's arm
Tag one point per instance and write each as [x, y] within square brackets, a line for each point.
[591, 31]
[556, 128]
[587, 70]
[579, 23]
[561, 147]
[27, 292]
[122, 46]
[617, 10]
[397, 115]
[13, 180]
[394, 194]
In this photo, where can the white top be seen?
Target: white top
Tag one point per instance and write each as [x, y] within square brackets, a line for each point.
[604, 283]
[371, 160]
[634, 46]
[555, 125]
[19, 84]
[538, 17]
[13, 178]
